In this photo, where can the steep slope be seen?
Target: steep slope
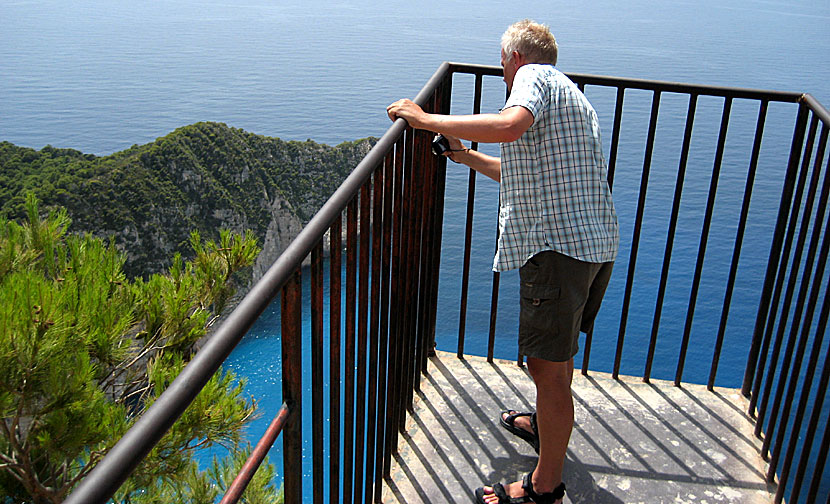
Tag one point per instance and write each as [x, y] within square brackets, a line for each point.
[205, 176]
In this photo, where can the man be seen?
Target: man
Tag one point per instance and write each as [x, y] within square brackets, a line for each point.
[557, 224]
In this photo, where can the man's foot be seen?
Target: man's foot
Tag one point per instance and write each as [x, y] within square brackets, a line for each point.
[522, 425]
[500, 494]
[519, 492]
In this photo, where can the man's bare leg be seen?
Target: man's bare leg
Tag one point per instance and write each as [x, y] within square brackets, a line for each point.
[554, 419]
[523, 422]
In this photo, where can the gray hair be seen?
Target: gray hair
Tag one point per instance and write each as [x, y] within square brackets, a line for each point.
[532, 40]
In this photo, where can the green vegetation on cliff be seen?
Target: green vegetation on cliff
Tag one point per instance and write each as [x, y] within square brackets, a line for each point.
[203, 177]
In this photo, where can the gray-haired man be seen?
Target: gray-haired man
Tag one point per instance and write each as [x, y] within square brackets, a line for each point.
[557, 224]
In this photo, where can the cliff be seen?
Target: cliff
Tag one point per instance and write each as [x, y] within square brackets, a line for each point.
[205, 176]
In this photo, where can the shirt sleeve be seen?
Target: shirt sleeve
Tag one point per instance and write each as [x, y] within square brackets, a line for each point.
[528, 90]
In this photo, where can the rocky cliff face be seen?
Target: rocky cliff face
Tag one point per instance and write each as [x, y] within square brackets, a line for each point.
[283, 228]
[202, 177]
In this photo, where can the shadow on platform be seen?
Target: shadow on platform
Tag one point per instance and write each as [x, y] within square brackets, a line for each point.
[632, 441]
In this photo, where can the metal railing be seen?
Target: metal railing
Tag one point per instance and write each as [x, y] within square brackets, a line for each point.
[249, 468]
[392, 215]
[393, 208]
[802, 222]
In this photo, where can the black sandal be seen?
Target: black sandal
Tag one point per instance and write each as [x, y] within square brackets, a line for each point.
[508, 423]
[527, 486]
[545, 498]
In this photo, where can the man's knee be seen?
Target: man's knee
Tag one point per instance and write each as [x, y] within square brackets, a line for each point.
[551, 374]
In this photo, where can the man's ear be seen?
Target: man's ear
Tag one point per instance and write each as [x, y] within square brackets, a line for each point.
[517, 58]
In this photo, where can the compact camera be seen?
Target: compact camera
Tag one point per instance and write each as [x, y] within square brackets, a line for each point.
[440, 145]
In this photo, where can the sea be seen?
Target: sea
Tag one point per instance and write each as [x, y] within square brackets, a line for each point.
[102, 75]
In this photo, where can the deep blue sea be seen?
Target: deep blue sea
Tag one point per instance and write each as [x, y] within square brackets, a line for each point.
[102, 75]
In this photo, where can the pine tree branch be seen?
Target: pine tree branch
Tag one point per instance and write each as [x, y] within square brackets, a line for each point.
[94, 456]
[7, 461]
[24, 471]
[109, 380]
[134, 392]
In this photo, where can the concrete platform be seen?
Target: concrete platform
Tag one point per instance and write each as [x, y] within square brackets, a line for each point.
[632, 442]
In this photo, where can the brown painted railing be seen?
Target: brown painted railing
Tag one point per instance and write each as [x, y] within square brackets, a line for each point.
[246, 474]
[384, 227]
[393, 212]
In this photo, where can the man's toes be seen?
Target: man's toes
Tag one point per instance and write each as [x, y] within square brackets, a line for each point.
[522, 422]
[489, 495]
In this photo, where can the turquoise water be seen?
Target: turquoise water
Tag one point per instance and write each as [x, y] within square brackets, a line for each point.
[100, 76]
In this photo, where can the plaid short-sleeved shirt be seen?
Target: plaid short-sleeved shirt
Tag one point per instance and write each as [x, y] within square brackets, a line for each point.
[554, 192]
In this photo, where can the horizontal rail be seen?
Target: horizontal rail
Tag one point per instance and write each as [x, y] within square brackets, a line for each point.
[653, 85]
[684, 88]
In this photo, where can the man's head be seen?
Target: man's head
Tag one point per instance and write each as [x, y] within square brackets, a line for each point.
[526, 42]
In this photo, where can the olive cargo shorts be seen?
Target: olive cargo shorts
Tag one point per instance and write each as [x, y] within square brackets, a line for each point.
[559, 297]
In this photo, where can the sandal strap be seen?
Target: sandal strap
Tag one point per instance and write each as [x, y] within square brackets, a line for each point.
[511, 417]
[544, 498]
[498, 489]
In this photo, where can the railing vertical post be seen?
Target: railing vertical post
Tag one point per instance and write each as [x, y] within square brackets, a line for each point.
[362, 342]
[385, 353]
[813, 427]
[612, 162]
[494, 292]
[410, 217]
[739, 237]
[468, 230]
[443, 99]
[786, 260]
[704, 239]
[292, 387]
[424, 165]
[395, 309]
[428, 246]
[317, 416]
[775, 252]
[615, 135]
[335, 268]
[494, 308]
[349, 362]
[779, 449]
[376, 368]
[796, 312]
[638, 222]
[678, 193]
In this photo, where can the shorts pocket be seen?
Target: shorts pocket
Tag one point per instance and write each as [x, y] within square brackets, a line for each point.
[538, 305]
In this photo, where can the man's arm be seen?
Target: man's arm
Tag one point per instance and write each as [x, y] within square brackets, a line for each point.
[486, 165]
[507, 126]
